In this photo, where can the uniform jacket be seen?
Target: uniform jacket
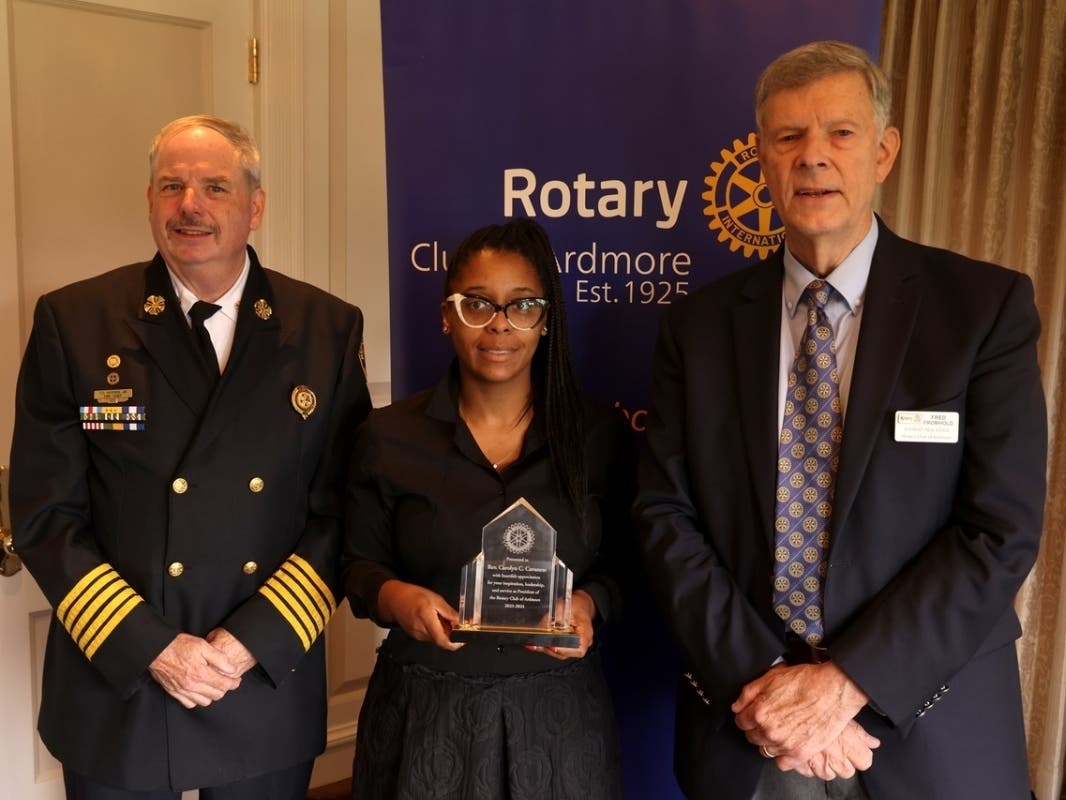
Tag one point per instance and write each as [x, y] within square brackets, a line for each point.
[146, 504]
[930, 542]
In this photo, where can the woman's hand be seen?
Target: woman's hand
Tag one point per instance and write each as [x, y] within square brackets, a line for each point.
[582, 612]
[424, 615]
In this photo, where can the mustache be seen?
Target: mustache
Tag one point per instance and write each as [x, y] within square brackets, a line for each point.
[186, 221]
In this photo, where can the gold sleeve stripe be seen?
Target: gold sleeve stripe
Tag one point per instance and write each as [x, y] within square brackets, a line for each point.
[119, 615]
[311, 599]
[268, 591]
[303, 606]
[102, 615]
[86, 615]
[77, 611]
[291, 594]
[79, 587]
[312, 574]
[95, 606]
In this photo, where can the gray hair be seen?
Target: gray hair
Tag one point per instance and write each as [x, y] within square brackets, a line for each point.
[247, 151]
[816, 60]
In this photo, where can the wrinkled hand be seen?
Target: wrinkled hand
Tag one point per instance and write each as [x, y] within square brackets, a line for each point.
[423, 614]
[230, 646]
[193, 672]
[582, 612]
[797, 712]
[851, 751]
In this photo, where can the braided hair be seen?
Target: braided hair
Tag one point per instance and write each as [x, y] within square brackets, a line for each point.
[556, 395]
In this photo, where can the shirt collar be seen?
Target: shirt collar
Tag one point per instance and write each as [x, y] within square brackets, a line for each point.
[849, 279]
[228, 302]
[444, 401]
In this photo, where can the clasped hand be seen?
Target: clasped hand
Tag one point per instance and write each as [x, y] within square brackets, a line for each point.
[803, 717]
[198, 671]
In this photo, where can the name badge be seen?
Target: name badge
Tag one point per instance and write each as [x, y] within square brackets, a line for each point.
[938, 427]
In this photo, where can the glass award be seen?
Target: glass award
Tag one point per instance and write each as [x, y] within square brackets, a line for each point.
[516, 590]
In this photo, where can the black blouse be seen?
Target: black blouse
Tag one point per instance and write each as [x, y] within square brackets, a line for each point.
[421, 490]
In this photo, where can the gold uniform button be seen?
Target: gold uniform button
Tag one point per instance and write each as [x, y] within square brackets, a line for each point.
[249, 567]
[256, 485]
[180, 486]
[176, 569]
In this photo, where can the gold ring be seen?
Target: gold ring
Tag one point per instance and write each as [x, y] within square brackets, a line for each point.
[765, 753]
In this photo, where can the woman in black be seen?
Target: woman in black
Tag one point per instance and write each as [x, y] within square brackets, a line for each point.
[507, 421]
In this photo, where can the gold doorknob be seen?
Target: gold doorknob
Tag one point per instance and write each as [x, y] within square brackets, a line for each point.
[9, 562]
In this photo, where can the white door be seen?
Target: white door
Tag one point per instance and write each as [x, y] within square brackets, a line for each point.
[83, 86]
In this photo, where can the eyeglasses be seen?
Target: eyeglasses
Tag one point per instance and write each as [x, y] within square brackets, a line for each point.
[477, 312]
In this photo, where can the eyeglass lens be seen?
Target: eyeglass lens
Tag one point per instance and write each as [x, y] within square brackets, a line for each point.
[522, 313]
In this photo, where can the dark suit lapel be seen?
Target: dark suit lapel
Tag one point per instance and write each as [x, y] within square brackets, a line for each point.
[757, 341]
[253, 357]
[893, 296]
[160, 324]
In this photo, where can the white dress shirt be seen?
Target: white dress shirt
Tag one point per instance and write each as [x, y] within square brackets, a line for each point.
[223, 323]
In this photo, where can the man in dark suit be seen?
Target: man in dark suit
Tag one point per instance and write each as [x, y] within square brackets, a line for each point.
[181, 442]
[838, 506]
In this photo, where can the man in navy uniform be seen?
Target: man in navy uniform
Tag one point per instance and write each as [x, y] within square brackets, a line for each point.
[181, 442]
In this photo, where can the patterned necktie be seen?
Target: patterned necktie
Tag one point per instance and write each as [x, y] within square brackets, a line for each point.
[197, 314]
[811, 433]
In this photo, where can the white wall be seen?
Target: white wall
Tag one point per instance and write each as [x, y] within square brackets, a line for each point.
[365, 218]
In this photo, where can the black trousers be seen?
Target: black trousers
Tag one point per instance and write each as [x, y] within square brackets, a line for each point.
[285, 784]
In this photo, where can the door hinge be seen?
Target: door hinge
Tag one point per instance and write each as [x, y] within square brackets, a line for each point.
[253, 61]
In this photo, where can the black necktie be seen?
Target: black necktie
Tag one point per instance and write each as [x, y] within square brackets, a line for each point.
[198, 313]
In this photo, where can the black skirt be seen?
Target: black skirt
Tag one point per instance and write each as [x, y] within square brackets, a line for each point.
[426, 734]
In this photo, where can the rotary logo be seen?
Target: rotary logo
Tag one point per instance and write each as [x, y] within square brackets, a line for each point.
[738, 202]
[518, 538]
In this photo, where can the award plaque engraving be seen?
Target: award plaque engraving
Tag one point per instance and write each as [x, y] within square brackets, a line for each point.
[516, 590]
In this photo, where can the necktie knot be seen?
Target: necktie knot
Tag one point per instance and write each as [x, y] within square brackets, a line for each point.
[817, 294]
[201, 311]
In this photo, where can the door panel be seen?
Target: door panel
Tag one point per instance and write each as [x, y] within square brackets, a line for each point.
[83, 86]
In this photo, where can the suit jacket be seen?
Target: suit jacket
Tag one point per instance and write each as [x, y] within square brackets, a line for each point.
[930, 542]
[222, 509]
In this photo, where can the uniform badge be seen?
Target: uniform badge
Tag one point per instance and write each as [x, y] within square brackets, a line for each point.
[303, 400]
[114, 361]
[155, 304]
[263, 311]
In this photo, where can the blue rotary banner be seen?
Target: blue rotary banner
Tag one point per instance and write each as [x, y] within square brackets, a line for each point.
[625, 127]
